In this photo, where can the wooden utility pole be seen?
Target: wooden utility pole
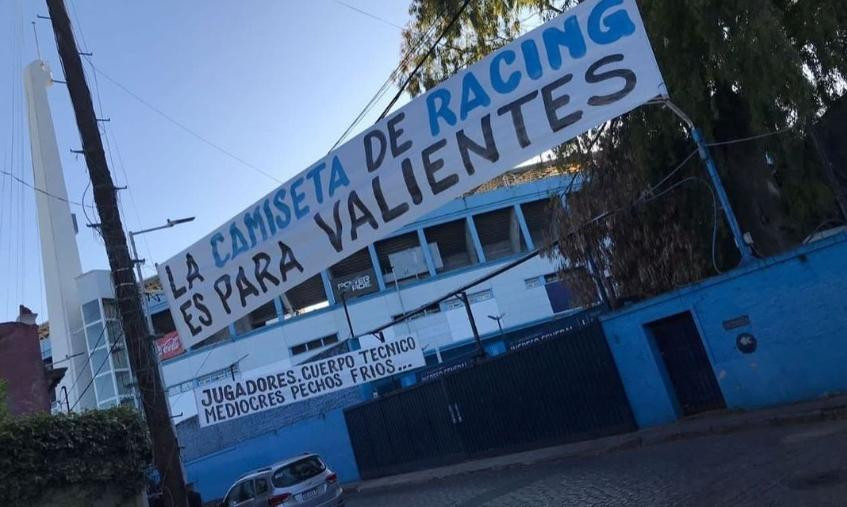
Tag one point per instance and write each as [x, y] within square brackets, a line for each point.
[138, 342]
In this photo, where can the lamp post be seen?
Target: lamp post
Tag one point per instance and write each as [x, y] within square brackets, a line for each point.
[498, 318]
[138, 262]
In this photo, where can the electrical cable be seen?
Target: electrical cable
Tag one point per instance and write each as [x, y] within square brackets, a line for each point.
[108, 139]
[368, 14]
[378, 95]
[94, 376]
[647, 195]
[184, 127]
[423, 60]
[88, 358]
[715, 208]
[385, 85]
[752, 138]
[44, 192]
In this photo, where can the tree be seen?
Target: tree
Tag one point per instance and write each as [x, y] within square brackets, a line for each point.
[739, 68]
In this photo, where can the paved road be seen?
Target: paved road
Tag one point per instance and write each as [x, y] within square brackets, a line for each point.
[792, 466]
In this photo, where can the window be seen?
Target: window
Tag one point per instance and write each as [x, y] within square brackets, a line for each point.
[220, 336]
[401, 258]
[264, 315]
[214, 376]
[261, 486]
[539, 218]
[98, 361]
[353, 276]
[314, 344]
[116, 332]
[298, 471]
[217, 375]
[105, 387]
[429, 310]
[533, 282]
[559, 288]
[110, 308]
[94, 336]
[260, 317]
[125, 383]
[306, 297]
[476, 297]
[499, 233]
[454, 247]
[46, 350]
[91, 311]
[329, 340]
[245, 491]
[163, 322]
[119, 358]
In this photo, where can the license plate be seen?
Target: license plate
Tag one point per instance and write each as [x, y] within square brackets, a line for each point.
[308, 495]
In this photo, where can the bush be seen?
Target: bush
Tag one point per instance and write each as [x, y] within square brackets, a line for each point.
[92, 451]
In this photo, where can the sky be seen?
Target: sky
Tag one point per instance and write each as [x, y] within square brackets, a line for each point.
[263, 86]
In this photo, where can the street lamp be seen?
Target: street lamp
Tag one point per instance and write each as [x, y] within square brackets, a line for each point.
[138, 262]
[498, 318]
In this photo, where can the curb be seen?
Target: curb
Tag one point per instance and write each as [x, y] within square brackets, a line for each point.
[682, 430]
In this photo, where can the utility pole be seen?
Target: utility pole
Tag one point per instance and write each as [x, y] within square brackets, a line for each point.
[138, 341]
[712, 171]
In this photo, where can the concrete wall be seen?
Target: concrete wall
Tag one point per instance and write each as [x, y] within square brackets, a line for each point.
[326, 435]
[198, 442]
[796, 305]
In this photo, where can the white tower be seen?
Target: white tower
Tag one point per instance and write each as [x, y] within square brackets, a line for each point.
[58, 243]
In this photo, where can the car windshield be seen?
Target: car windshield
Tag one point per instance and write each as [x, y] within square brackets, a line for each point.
[298, 471]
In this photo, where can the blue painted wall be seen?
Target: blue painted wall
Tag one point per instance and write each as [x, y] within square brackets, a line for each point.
[797, 307]
[326, 435]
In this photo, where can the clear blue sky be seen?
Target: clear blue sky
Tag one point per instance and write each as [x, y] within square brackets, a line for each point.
[274, 82]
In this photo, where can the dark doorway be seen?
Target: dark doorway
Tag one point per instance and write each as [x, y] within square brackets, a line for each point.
[688, 366]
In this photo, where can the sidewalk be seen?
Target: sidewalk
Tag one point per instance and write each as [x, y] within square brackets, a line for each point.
[709, 424]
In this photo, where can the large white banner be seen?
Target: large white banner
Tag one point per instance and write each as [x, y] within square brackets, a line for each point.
[590, 64]
[277, 387]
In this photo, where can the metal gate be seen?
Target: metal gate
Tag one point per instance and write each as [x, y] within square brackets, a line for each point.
[563, 390]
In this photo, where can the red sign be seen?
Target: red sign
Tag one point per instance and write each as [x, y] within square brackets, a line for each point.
[169, 346]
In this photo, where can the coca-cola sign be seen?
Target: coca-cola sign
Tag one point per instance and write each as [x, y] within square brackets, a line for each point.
[169, 346]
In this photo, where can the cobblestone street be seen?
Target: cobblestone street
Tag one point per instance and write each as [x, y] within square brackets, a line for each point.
[803, 465]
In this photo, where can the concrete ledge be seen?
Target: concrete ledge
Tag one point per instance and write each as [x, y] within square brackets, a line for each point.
[711, 424]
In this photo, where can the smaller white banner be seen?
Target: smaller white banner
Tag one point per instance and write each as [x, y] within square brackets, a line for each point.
[257, 392]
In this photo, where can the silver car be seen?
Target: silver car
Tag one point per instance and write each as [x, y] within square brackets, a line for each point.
[304, 481]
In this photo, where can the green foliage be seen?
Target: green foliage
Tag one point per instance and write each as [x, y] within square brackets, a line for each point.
[92, 451]
[738, 68]
[4, 409]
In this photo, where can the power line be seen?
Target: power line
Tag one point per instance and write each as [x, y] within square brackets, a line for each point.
[385, 85]
[644, 197]
[368, 14]
[424, 59]
[182, 126]
[751, 138]
[44, 192]
[88, 357]
[105, 360]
